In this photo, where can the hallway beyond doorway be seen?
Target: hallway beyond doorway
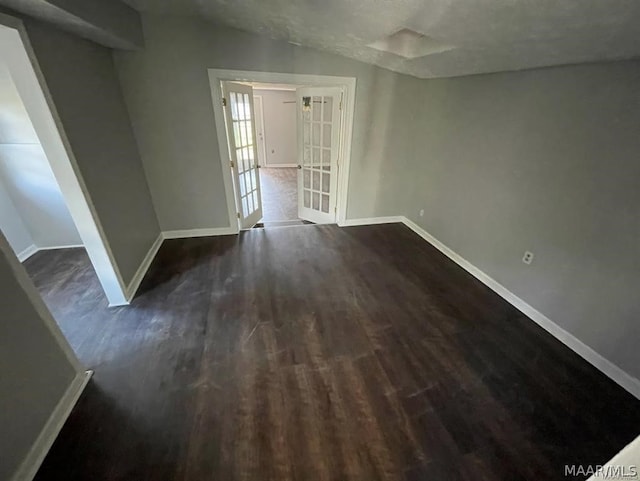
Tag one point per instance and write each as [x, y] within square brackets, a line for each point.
[279, 194]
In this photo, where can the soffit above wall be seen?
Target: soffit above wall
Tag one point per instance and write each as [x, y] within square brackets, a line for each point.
[463, 37]
[111, 23]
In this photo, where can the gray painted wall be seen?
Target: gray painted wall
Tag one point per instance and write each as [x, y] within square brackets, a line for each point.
[169, 98]
[82, 81]
[279, 126]
[27, 176]
[34, 371]
[546, 161]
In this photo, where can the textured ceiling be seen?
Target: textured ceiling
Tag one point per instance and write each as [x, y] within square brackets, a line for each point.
[487, 35]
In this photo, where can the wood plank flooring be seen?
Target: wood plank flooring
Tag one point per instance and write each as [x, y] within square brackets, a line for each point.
[319, 353]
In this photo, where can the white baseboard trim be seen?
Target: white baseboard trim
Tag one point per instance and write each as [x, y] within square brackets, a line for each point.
[180, 234]
[132, 288]
[47, 436]
[26, 253]
[52, 248]
[624, 379]
[372, 221]
[32, 249]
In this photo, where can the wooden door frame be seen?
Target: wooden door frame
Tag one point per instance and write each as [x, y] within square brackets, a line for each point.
[348, 85]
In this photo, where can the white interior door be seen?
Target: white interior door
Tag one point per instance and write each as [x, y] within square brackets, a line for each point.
[262, 148]
[241, 136]
[318, 148]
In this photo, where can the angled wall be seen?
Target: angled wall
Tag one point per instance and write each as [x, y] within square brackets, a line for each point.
[81, 79]
[35, 370]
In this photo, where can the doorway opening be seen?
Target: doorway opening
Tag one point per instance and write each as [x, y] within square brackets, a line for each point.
[276, 142]
[44, 203]
[270, 179]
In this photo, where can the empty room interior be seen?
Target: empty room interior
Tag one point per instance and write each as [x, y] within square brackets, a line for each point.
[277, 240]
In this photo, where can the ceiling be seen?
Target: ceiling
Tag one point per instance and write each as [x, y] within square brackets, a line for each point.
[477, 36]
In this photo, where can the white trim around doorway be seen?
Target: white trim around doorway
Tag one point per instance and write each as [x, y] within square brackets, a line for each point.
[348, 85]
[19, 57]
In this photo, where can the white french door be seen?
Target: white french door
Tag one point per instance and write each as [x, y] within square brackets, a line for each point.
[241, 136]
[318, 148]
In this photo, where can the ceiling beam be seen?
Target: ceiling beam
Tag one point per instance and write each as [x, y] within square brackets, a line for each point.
[108, 22]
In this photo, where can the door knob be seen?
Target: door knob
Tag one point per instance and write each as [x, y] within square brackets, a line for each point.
[299, 166]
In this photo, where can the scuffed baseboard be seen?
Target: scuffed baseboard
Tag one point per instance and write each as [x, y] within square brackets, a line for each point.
[28, 252]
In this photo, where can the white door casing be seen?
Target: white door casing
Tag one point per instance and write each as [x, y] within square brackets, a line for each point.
[243, 152]
[318, 120]
[348, 88]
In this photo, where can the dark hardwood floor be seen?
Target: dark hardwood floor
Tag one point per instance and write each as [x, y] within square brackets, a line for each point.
[319, 353]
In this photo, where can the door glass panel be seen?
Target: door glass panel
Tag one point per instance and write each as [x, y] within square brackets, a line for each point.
[315, 134]
[253, 179]
[325, 203]
[316, 201]
[316, 158]
[236, 132]
[326, 135]
[249, 134]
[316, 108]
[234, 107]
[247, 157]
[327, 109]
[240, 107]
[326, 156]
[306, 175]
[306, 195]
[243, 133]
[247, 107]
[316, 180]
[306, 139]
[243, 189]
[326, 182]
[245, 210]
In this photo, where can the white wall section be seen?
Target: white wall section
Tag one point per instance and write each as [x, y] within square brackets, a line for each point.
[279, 109]
[12, 226]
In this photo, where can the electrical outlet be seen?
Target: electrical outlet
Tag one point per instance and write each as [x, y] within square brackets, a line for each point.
[528, 257]
[421, 212]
